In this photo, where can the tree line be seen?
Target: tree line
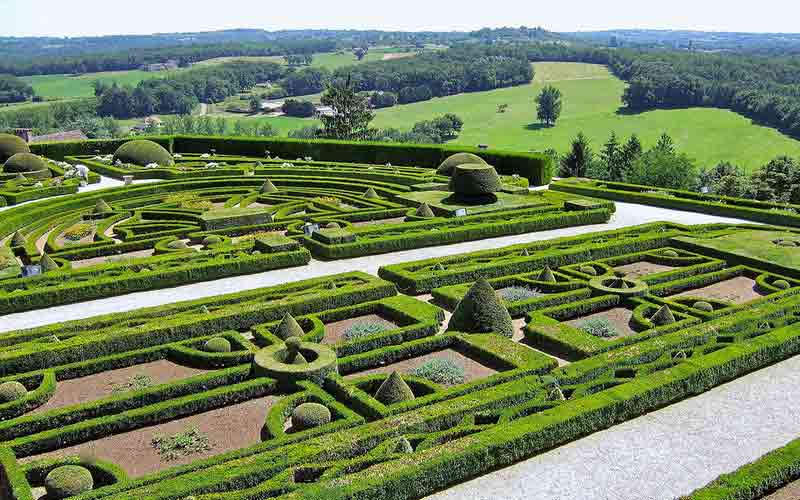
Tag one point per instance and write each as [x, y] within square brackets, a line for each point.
[12, 89]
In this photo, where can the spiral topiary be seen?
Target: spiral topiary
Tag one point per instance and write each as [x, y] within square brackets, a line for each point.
[217, 344]
[12, 391]
[10, 145]
[394, 390]
[475, 180]
[448, 165]
[310, 415]
[143, 152]
[481, 311]
[67, 481]
[26, 163]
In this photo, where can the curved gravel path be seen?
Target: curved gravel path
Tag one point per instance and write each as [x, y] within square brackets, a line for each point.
[627, 215]
[661, 455]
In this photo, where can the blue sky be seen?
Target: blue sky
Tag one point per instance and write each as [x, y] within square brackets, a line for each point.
[96, 17]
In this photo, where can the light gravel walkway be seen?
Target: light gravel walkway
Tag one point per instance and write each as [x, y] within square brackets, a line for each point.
[661, 455]
[627, 215]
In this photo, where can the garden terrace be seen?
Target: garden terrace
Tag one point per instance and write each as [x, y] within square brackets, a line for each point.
[221, 214]
[401, 406]
[37, 185]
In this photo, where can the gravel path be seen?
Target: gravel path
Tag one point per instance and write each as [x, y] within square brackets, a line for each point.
[661, 455]
[627, 215]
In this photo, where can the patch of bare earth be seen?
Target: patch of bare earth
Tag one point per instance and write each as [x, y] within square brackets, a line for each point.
[789, 492]
[397, 55]
[473, 370]
[101, 385]
[642, 268]
[334, 332]
[619, 317]
[738, 290]
[94, 261]
[231, 428]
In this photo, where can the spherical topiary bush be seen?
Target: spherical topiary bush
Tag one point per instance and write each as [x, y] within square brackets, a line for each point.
[669, 253]
[447, 166]
[394, 390]
[211, 239]
[143, 152]
[481, 311]
[11, 391]
[217, 344]
[25, 163]
[67, 481]
[10, 145]
[474, 180]
[702, 305]
[177, 245]
[310, 415]
[782, 284]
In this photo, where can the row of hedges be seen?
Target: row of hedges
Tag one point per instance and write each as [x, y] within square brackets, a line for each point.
[723, 206]
[534, 166]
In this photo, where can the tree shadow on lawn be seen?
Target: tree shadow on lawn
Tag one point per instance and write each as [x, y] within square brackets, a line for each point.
[537, 126]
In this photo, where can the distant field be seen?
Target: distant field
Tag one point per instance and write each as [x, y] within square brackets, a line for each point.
[329, 60]
[71, 86]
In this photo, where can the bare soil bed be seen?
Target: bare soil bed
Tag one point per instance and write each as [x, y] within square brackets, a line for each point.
[642, 268]
[619, 317]
[473, 370]
[737, 290]
[789, 492]
[101, 385]
[230, 428]
[334, 332]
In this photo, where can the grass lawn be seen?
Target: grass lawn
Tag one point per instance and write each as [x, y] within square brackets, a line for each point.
[758, 244]
[71, 86]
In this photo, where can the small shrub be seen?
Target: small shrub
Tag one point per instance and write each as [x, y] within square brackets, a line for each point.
[177, 245]
[211, 239]
[517, 293]
[781, 284]
[394, 390]
[481, 311]
[441, 371]
[185, 443]
[599, 327]
[217, 344]
[591, 271]
[12, 391]
[363, 329]
[137, 383]
[67, 481]
[702, 305]
[669, 253]
[310, 415]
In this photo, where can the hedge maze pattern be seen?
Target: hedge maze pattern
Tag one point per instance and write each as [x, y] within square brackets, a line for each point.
[219, 214]
[616, 324]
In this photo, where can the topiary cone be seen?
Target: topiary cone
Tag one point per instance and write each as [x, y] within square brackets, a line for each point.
[370, 194]
[394, 390]
[525, 253]
[288, 327]
[17, 240]
[663, 316]
[547, 275]
[19, 179]
[102, 207]
[48, 264]
[267, 187]
[424, 210]
[481, 311]
[438, 267]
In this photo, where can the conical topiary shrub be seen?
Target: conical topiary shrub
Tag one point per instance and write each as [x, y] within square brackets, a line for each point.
[48, 264]
[546, 275]
[481, 311]
[618, 283]
[663, 316]
[439, 267]
[293, 354]
[17, 240]
[267, 187]
[370, 194]
[394, 390]
[525, 253]
[20, 179]
[101, 207]
[424, 210]
[288, 327]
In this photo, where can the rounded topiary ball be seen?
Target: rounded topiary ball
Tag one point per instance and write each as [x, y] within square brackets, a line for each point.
[702, 305]
[11, 391]
[67, 481]
[475, 179]
[782, 284]
[669, 253]
[217, 344]
[10, 145]
[211, 239]
[447, 166]
[24, 163]
[310, 415]
[142, 153]
[177, 245]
